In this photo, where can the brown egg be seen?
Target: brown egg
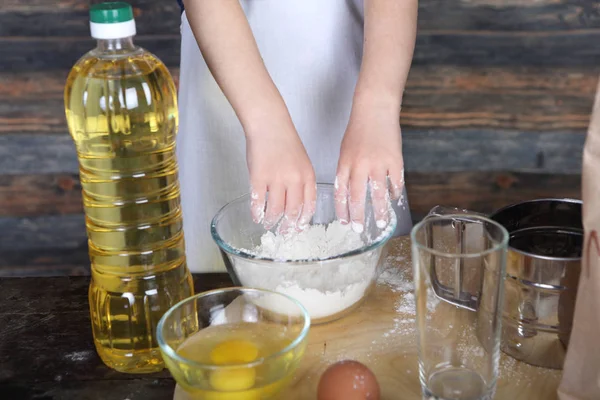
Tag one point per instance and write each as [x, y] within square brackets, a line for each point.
[348, 380]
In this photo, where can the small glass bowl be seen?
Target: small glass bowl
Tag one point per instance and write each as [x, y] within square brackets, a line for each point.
[194, 327]
[329, 288]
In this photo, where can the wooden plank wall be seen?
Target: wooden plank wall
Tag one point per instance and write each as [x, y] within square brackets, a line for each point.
[495, 111]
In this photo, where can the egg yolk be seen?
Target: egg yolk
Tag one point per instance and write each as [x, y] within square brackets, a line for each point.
[233, 380]
[234, 352]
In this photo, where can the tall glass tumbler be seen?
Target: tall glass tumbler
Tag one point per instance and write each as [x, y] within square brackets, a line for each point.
[459, 264]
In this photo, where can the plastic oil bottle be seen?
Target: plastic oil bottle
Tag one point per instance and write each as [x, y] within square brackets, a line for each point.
[121, 108]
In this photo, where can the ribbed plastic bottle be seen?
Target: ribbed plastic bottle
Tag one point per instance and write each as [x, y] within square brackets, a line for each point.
[121, 108]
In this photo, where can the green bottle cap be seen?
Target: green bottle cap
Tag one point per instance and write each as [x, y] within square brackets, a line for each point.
[111, 12]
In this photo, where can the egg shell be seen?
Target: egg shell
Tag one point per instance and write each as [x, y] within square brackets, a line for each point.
[348, 380]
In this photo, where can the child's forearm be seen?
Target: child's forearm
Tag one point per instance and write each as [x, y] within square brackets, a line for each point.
[389, 40]
[230, 51]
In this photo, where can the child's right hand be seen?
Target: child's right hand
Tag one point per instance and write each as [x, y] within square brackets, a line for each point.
[279, 165]
[277, 161]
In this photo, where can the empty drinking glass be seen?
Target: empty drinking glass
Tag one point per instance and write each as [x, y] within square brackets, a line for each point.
[459, 264]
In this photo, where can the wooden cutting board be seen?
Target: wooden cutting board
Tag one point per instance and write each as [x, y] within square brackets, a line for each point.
[381, 334]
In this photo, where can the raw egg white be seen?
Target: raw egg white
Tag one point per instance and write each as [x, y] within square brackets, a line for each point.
[348, 380]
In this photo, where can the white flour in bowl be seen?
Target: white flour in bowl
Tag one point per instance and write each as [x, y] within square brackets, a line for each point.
[324, 288]
[317, 242]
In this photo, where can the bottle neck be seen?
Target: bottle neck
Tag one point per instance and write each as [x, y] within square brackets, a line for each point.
[120, 45]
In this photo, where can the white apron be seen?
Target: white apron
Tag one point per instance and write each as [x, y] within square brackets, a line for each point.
[312, 50]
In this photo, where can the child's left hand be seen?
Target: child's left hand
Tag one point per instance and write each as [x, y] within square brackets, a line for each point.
[371, 153]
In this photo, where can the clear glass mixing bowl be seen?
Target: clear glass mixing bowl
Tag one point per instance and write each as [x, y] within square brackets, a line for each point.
[328, 288]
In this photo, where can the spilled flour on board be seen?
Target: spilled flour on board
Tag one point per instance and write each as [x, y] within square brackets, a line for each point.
[400, 282]
[78, 355]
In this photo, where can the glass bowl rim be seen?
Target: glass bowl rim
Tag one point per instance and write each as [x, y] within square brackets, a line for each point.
[226, 247]
[498, 245]
[173, 354]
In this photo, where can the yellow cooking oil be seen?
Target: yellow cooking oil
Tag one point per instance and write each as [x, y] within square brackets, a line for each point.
[121, 109]
[243, 361]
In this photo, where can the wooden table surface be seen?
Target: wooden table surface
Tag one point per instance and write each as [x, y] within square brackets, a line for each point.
[47, 353]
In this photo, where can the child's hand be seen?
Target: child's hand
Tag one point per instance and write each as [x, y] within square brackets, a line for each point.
[371, 153]
[278, 165]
